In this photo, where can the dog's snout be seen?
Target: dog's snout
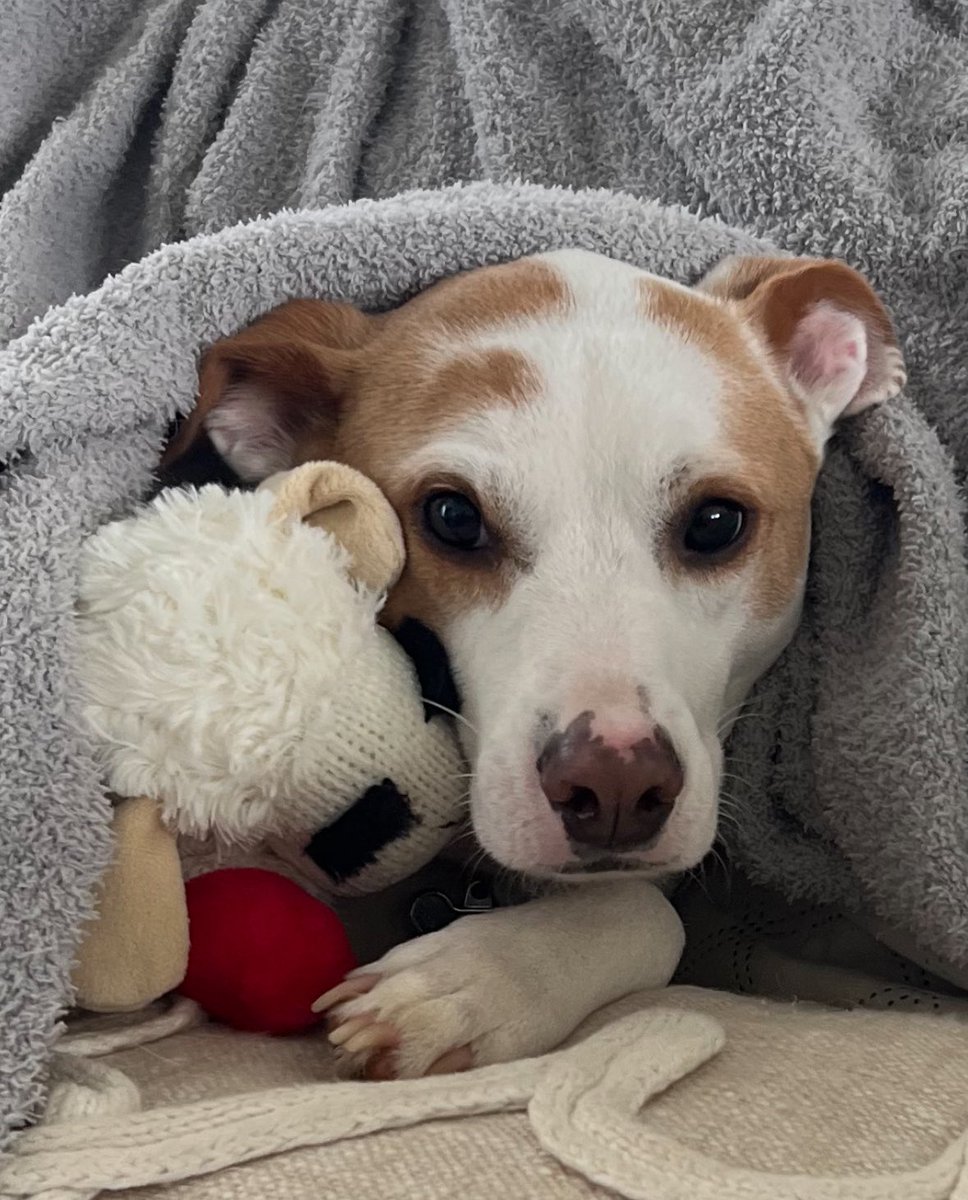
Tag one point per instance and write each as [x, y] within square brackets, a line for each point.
[610, 795]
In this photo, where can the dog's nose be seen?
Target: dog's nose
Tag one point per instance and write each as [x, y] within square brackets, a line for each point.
[611, 796]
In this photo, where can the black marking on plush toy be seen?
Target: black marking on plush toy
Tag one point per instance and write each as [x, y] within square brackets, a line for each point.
[430, 661]
[354, 840]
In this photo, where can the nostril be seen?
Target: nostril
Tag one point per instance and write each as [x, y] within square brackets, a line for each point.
[582, 803]
[651, 799]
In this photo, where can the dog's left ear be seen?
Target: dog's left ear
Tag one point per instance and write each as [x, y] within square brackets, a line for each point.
[826, 328]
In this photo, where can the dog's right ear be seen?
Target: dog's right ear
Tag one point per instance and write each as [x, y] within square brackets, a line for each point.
[269, 397]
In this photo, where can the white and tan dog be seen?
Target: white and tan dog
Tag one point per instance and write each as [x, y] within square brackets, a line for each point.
[604, 480]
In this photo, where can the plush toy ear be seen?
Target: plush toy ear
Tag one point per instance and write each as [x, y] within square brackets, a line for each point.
[826, 328]
[352, 508]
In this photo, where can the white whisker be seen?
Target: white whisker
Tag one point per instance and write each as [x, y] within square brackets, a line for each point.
[731, 775]
[732, 717]
[451, 713]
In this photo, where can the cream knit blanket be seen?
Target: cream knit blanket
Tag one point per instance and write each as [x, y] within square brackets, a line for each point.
[682, 1095]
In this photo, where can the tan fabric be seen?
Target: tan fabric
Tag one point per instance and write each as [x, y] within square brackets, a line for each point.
[738, 1097]
[137, 948]
[336, 498]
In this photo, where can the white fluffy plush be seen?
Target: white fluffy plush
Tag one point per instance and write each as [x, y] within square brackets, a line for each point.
[234, 671]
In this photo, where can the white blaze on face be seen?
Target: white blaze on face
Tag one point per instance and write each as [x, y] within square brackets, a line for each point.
[583, 477]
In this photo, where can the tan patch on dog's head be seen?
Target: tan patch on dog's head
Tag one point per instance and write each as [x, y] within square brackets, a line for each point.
[696, 319]
[423, 375]
[765, 427]
[414, 391]
[479, 300]
[436, 584]
[316, 380]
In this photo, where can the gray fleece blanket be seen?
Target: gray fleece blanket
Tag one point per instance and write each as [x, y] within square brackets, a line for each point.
[821, 126]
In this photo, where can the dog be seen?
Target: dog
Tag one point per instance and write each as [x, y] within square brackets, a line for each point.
[604, 480]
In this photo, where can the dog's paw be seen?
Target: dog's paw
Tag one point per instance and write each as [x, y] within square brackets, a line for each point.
[444, 1002]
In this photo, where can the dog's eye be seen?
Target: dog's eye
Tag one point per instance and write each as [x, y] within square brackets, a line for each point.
[455, 520]
[714, 526]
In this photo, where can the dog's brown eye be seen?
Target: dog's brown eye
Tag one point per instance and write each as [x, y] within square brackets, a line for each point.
[714, 526]
[455, 520]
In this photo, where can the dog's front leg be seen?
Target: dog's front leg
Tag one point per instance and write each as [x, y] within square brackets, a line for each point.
[505, 984]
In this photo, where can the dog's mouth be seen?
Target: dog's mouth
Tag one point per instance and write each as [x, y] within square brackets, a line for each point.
[590, 861]
[600, 866]
[610, 863]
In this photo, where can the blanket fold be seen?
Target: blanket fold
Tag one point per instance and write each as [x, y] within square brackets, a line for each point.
[154, 127]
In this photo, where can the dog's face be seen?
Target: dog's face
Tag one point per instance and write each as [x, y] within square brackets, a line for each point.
[604, 481]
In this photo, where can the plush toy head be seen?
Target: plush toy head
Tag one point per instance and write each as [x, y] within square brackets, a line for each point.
[232, 668]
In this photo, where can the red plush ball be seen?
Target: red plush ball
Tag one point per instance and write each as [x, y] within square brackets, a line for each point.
[261, 950]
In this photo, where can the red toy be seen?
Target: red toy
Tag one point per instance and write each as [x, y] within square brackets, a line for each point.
[261, 950]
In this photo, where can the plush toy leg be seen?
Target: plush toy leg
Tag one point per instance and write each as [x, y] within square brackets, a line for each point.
[137, 947]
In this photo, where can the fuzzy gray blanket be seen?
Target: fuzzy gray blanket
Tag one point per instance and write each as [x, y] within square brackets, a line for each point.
[832, 127]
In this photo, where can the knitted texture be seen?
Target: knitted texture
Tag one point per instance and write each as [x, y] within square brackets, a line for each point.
[785, 1107]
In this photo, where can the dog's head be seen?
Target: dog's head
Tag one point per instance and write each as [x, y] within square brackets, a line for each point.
[604, 481]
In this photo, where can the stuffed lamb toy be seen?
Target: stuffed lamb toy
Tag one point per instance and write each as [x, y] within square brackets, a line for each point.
[238, 687]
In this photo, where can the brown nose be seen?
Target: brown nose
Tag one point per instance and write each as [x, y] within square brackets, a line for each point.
[609, 797]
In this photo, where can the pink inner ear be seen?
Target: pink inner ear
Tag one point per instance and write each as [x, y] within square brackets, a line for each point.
[246, 431]
[828, 357]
